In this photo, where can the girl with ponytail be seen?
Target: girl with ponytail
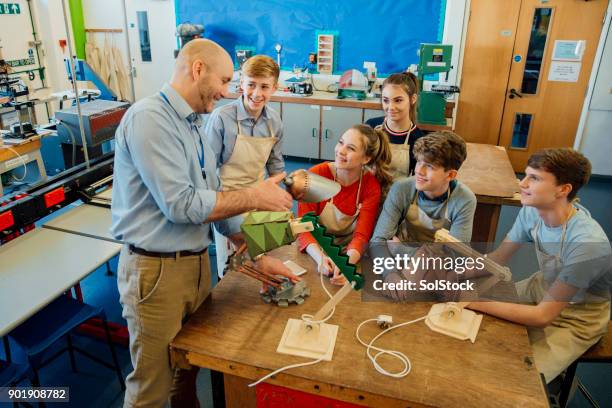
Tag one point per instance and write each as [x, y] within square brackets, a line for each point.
[361, 167]
[399, 98]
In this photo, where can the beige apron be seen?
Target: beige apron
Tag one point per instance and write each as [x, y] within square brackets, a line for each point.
[577, 327]
[245, 167]
[340, 225]
[400, 155]
[420, 227]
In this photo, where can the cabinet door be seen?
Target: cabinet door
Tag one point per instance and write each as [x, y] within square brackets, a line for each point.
[276, 106]
[335, 122]
[372, 113]
[301, 130]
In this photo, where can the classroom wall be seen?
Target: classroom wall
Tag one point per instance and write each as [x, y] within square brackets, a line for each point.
[106, 14]
[15, 37]
[594, 138]
[386, 32]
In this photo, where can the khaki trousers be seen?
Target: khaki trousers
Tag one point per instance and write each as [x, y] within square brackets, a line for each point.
[158, 295]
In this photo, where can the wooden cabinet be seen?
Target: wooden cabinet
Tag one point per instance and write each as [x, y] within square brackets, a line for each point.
[301, 130]
[336, 121]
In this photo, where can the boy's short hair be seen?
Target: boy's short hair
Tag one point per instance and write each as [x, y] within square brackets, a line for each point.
[567, 165]
[443, 148]
[259, 66]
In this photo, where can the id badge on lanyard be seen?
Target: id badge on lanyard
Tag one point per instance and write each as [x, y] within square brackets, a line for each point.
[192, 126]
[201, 159]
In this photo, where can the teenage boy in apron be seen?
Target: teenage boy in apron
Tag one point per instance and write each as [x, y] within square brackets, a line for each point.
[568, 300]
[245, 136]
[433, 198]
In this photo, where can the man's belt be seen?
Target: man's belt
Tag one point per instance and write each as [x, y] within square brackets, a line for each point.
[177, 254]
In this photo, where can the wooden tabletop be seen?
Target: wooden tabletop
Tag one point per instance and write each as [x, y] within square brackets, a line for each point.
[7, 151]
[320, 98]
[488, 173]
[236, 333]
[331, 99]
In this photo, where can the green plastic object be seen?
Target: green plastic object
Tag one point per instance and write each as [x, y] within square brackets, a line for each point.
[334, 251]
[78, 27]
[358, 94]
[266, 230]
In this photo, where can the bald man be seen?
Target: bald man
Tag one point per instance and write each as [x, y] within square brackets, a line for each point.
[165, 199]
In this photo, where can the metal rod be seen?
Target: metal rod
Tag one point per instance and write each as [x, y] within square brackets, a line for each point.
[257, 276]
[270, 277]
[75, 86]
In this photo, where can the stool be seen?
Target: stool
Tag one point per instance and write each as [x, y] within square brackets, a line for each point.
[599, 353]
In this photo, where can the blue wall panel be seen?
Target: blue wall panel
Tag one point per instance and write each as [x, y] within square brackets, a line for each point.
[388, 32]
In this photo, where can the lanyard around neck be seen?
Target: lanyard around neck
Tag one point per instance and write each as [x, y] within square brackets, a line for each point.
[199, 153]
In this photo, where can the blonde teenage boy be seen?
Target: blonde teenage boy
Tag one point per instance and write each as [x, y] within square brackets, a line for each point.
[246, 135]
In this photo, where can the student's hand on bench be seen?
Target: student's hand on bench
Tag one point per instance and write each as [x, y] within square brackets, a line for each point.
[328, 268]
[273, 267]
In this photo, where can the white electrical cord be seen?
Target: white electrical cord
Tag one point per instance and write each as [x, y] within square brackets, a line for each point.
[25, 165]
[394, 353]
[286, 368]
[308, 319]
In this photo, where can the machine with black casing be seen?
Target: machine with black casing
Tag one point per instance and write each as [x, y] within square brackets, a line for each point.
[100, 120]
[301, 88]
[187, 32]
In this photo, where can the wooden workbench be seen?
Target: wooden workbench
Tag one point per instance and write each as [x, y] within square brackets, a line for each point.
[19, 152]
[23, 147]
[235, 333]
[487, 171]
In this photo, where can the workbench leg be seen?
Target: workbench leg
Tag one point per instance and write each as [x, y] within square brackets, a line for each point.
[237, 392]
[218, 392]
[485, 222]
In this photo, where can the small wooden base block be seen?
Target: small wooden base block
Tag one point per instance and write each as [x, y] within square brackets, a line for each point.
[454, 321]
[308, 340]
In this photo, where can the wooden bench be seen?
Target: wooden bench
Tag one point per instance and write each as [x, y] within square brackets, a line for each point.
[599, 353]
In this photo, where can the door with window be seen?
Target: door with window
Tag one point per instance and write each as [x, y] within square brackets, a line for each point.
[151, 28]
[525, 73]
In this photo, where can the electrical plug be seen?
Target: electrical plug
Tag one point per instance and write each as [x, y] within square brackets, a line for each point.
[384, 321]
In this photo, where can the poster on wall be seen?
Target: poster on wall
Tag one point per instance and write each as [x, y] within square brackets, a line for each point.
[564, 71]
[364, 31]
